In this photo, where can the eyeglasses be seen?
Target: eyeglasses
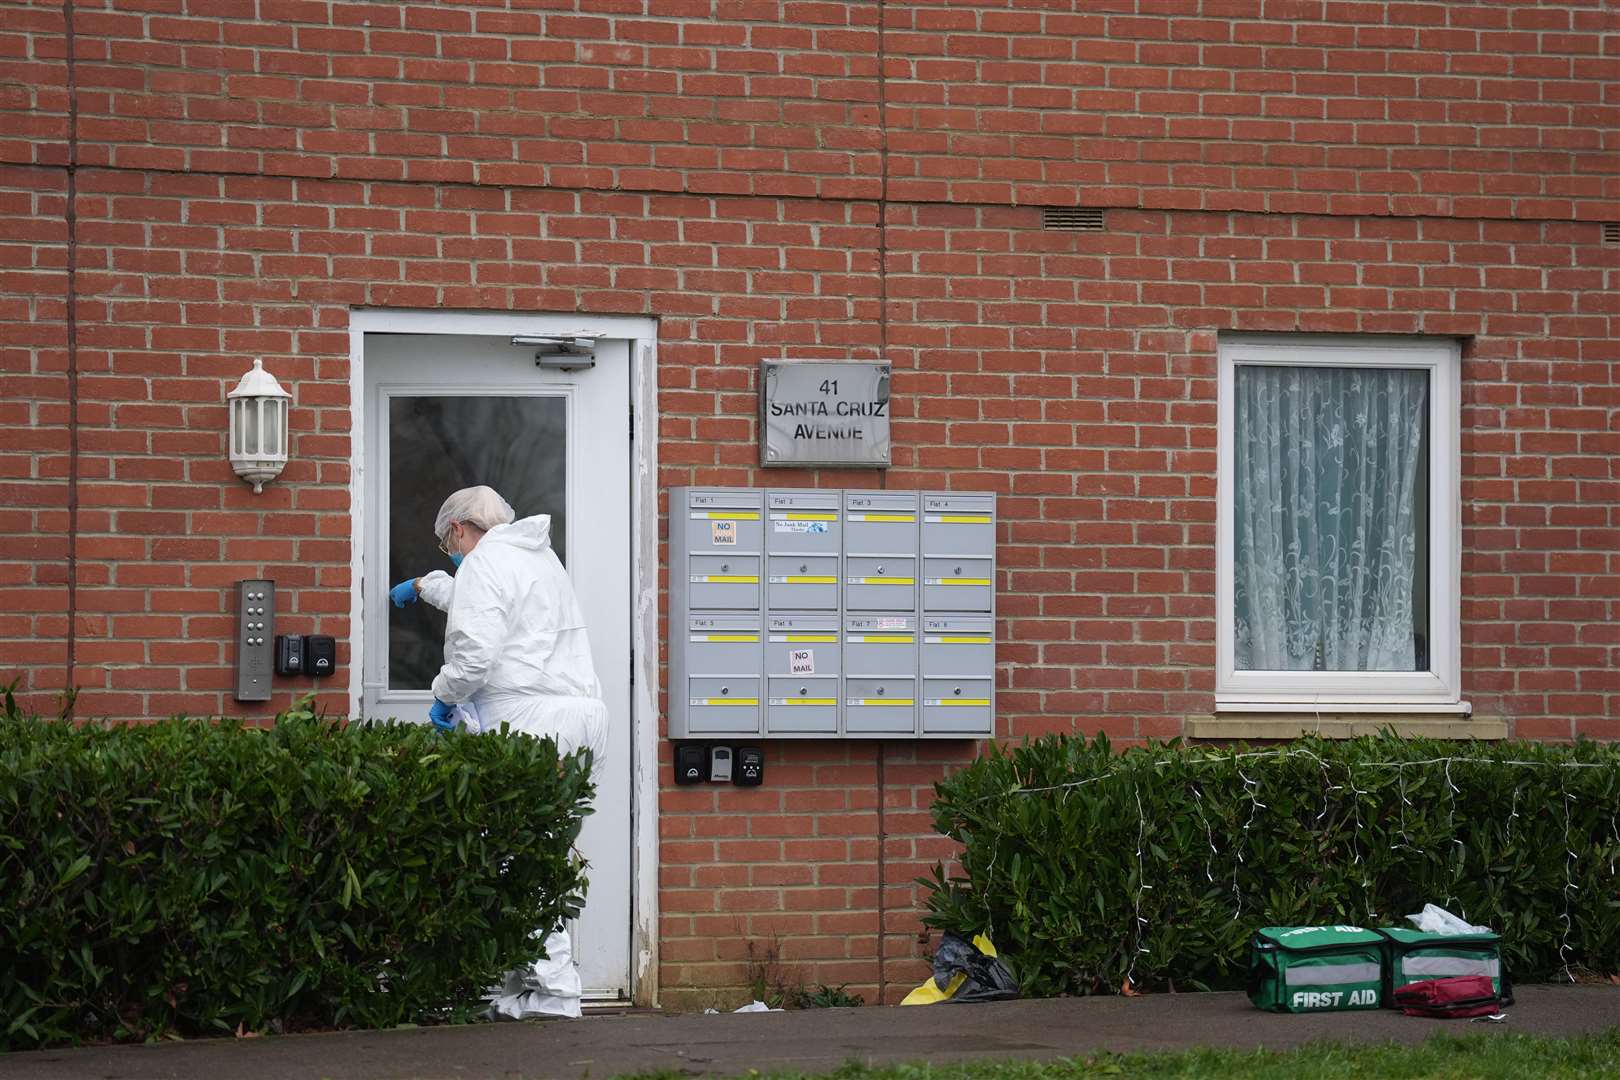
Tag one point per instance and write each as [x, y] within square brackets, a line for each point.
[444, 541]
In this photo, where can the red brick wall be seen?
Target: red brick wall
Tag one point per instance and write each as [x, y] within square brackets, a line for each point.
[1335, 167]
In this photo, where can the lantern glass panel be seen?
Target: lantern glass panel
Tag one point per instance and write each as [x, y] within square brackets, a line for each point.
[247, 426]
[272, 445]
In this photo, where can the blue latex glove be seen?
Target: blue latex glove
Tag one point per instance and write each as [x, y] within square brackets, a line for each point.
[403, 593]
[442, 715]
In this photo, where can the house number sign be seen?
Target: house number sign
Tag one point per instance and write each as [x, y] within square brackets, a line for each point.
[815, 412]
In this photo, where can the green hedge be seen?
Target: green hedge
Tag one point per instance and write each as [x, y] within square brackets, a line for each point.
[1082, 889]
[192, 877]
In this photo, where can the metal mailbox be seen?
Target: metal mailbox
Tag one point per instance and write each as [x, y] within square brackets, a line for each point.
[724, 521]
[958, 552]
[802, 583]
[958, 707]
[877, 706]
[804, 523]
[880, 583]
[825, 613]
[959, 525]
[957, 583]
[958, 664]
[723, 581]
[722, 705]
[880, 522]
[958, 645]
[718, 662]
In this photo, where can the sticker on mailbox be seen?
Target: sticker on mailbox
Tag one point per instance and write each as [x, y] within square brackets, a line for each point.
[723, 533]
[801, 661]
[802, 523]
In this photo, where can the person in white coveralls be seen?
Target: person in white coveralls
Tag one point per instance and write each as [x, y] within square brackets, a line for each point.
[515, 653]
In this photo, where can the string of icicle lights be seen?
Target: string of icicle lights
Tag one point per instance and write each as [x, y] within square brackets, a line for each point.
[1251, 788]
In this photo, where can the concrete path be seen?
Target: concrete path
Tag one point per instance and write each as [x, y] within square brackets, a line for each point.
[601, 1047]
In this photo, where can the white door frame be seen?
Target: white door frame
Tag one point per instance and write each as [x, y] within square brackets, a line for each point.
[642, 334]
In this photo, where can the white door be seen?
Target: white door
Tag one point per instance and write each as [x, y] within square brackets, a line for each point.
[448, 411]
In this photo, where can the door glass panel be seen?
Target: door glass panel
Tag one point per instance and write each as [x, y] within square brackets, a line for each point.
[516, 445]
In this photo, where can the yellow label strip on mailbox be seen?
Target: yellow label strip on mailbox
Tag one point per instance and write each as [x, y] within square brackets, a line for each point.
[724, 701]
[799, 579]
[804, 637]
[883, 517]
[725, 515]
[957, 701]
[804, 517]
[956, 581]
[726, 579]
[879, 701]
[958, 639]
[880, 639]
[803, 701]
[959, 519]
[725, 637]
[880, 581]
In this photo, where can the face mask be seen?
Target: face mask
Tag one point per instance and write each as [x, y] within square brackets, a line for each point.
[455, 559]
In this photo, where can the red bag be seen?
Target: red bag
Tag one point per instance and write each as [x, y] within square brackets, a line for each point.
[1459, 995]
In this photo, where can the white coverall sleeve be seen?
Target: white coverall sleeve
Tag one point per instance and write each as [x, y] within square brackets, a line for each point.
[474, 634]
[436, 587]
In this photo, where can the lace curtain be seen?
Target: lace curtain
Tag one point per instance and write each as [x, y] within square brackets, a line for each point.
[1331, 519]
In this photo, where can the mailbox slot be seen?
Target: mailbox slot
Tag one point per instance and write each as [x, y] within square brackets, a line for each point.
[802, 583]
[723, 705]
[957, 583]
[958, 707]
[802, 704]
[723, 581]
[880, 706]
[880, 583]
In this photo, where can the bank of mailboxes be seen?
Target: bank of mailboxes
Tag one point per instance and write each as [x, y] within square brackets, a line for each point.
[832, 613]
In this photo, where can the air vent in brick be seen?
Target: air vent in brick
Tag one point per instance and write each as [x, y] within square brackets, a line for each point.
[1076, 218]
[1611, 233]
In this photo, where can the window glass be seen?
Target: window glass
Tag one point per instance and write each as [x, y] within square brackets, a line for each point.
[1330, 519]
[516, 445]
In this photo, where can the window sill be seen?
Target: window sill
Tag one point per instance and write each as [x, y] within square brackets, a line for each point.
[1240, 722]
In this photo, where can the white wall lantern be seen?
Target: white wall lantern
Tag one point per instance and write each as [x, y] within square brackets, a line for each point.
[258, 448]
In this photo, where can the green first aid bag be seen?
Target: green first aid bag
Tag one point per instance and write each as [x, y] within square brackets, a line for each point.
[1414, 956]
[1316, 968]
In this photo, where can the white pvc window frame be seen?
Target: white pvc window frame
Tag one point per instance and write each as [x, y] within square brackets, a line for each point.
[1438, 690]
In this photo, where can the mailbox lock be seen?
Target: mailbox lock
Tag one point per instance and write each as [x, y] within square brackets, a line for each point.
[804, 568]
[725, 690]
[957, 691]
[803, 690]
[725, 568]
[881, 690]
[958, 571]
[880, 568]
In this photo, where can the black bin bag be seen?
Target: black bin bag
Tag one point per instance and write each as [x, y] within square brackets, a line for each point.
[988, 976]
